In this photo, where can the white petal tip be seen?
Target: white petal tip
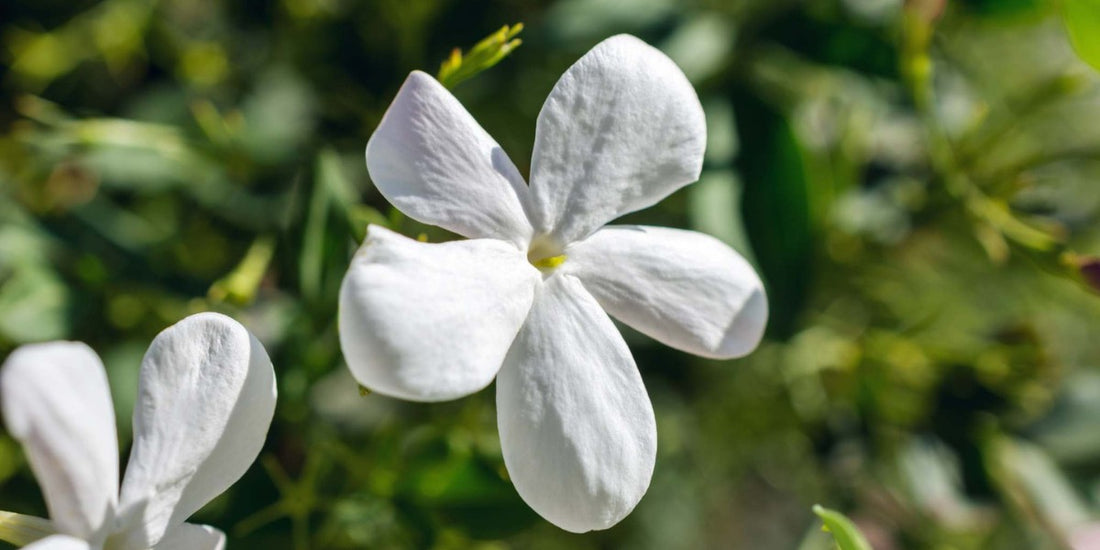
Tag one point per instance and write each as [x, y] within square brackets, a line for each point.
[747, 329]
[208, 382]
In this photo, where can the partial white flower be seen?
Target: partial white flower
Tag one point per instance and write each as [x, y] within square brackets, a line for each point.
[206, 397]
[524, 299]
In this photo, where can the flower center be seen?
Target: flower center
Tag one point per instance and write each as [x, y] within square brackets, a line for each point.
[545, 254]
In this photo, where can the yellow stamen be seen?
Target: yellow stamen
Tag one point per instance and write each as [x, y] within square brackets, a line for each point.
[550, 262]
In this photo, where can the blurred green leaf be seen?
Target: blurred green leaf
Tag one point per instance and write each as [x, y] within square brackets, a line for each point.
[241, 284]
[573, 21]
[35, 303]
[21, 244]
[776, 208]
[844, 532]
[1036, 485]
[279, 116]
[1068, 432]
[330, 189]
[701, 46]
[123, 364]
[11, 457]
[467, 493]
[714, 204]
[111, 31]
[1003, 8]
[837, 41]
[1082, 19]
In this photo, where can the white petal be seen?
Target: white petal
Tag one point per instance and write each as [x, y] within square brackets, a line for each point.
[432, 161]
[59, 542]
[205, 401]
[57, 403]
[683, 288]
[576, 424]
[431, 322]
[621, 130]
[190, 536]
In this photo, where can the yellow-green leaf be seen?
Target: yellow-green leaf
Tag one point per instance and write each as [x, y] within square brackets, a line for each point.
[1083, 23]
[844, 532]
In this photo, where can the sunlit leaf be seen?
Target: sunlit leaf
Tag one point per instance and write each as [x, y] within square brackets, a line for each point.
[1083, 23]
[844, 532]
[241, 284]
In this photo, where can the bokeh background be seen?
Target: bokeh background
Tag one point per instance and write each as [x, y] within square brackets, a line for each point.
[917, 183]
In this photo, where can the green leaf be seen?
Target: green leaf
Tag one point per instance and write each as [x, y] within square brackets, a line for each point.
[777, 208]
[36, 305]
[467, 492]
[1083, 23]
[278, 117]
[327, 181]
[844, 532]
[241, 285]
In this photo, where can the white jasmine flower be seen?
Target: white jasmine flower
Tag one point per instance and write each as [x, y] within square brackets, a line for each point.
[524, 299]
[206, 397]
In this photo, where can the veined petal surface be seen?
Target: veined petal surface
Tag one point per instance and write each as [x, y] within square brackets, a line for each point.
[432, 322]
[576, 425]
[685, 289]
[206, 397]
[57, 403]
[432, 160]
[621, 130]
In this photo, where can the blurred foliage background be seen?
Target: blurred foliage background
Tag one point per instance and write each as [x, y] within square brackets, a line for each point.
[917, 183]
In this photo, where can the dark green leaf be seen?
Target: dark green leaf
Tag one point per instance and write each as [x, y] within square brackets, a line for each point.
[776, 208]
